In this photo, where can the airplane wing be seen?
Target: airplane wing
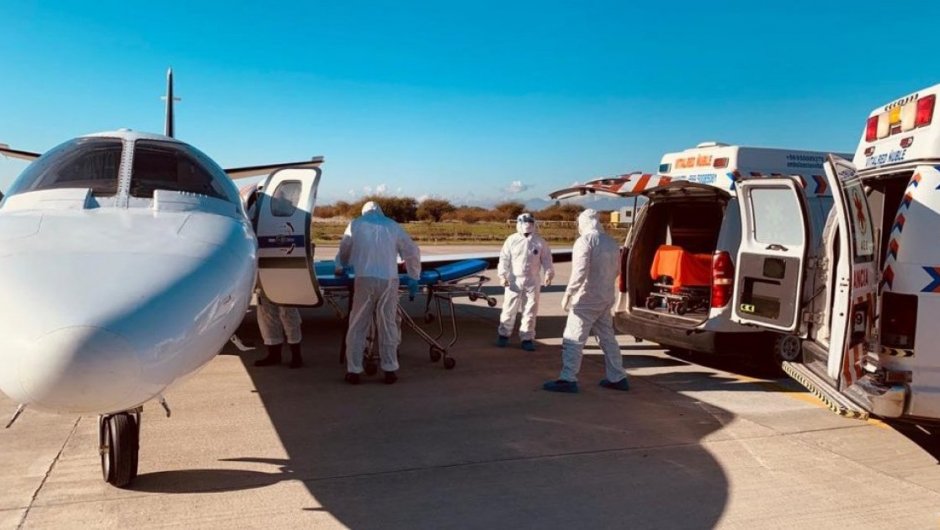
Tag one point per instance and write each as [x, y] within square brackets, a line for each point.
[254, 171]
[14, 153]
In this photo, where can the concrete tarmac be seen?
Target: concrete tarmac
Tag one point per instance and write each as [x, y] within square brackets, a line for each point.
[697, 442]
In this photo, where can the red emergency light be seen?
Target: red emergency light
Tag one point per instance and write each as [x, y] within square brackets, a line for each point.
[925, 110]
[871, 129]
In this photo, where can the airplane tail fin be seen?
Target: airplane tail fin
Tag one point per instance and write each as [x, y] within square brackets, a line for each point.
[168, 128]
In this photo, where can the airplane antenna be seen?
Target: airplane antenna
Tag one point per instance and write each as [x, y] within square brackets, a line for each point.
[168, 128]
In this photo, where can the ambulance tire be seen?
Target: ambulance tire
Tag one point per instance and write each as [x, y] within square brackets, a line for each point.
[787, 348]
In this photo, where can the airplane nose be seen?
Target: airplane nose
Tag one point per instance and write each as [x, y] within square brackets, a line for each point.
[80, 369]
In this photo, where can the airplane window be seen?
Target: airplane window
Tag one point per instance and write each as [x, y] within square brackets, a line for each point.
[91, 163]
[174, 167]
[285, 198]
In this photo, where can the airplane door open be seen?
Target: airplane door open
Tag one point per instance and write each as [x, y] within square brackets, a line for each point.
[770, 264]
[285, 250]
[853, 309]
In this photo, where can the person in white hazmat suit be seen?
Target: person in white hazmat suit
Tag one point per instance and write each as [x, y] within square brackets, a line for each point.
[524, 256]
[588, 300]
[276, 322]
[371, 245]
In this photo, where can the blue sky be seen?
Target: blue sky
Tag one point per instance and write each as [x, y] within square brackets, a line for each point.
[476, 102]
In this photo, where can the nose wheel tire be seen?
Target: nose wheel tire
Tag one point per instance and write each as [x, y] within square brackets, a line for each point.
[120, 443]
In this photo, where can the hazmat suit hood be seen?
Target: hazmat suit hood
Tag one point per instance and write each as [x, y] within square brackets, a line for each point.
[370, 207]
[525, 224]
[588, 222]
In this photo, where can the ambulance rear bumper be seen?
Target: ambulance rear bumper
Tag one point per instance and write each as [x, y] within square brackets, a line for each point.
[691, 338]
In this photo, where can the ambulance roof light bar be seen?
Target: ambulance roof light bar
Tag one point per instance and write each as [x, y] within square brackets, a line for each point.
[901, 118]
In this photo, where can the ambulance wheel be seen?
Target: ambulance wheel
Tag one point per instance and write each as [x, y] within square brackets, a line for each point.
[119, 448]
[650, 303]
[681, 308]
[450, 363]
[787, 348]
[491, 302]
[435, 354]
[428, 317]
[370, 368]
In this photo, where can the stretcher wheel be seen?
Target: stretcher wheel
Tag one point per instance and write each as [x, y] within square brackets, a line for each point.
[450, 363]
[428, 317]
[651, 302]
[370, 368]
[473, 297]
[435, 354]
[681, 308]
[491, 302]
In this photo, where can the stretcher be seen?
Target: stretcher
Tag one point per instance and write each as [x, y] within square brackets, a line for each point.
[441, 285]
[681, 280]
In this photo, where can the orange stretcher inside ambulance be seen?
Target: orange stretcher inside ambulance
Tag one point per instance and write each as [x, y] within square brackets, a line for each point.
[866, 337]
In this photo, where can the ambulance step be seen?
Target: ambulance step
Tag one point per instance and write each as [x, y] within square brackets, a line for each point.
[835, 401]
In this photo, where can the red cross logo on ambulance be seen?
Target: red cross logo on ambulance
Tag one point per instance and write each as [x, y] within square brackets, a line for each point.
[860, 212]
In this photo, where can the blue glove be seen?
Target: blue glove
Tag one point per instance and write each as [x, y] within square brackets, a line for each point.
[412, 288]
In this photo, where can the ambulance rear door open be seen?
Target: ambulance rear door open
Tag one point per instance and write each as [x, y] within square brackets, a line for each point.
[772, 264]
[283, 225]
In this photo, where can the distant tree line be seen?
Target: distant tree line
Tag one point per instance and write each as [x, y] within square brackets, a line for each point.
[407, 209]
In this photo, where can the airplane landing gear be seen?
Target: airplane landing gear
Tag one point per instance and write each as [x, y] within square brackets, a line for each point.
[119, 437]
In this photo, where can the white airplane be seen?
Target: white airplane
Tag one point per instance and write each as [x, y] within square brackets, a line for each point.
[128, 261]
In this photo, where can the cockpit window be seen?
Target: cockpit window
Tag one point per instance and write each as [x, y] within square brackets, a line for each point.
[174, 167]
[91, 163]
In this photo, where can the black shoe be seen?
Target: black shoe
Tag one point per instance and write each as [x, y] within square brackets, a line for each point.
[390, 378]
[273, 358]
[296, 360]
[352, 379]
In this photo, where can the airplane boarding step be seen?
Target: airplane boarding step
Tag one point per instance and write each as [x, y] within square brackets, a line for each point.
[836, 402]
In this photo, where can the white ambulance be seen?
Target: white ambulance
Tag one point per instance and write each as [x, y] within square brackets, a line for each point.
[679, 263]
[867, 336]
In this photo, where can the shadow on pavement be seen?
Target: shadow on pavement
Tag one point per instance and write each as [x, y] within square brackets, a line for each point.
[205, 480]
[481, 445]
[927, 437]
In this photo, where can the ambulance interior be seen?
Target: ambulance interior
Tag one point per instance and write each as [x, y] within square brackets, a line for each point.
[898, 311]
[670, 261]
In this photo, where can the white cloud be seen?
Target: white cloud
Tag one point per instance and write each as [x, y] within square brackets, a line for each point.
[422, 198]
[517, 186]
[381, 189]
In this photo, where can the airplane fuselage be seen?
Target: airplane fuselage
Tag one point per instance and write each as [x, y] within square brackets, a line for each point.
[111, 296]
